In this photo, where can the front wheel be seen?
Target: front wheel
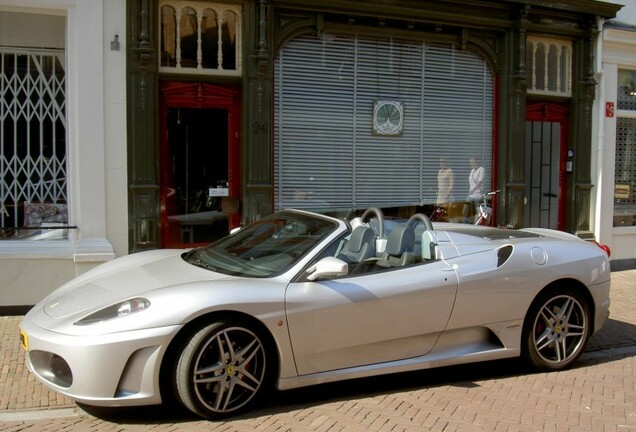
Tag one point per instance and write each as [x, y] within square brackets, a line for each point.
[222, 370]
[556, 330]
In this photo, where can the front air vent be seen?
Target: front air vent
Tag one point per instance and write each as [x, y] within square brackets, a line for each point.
[61, 371]
[503, 254]
[51, 367]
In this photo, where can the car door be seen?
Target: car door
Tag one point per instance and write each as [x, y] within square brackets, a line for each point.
[371, 318]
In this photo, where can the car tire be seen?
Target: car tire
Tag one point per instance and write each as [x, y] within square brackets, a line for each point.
[556, 329]
[222, 370]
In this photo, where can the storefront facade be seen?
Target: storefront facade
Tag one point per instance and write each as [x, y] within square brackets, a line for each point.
[615, 139]
[63, 169]
[350, 104]
[166, 123]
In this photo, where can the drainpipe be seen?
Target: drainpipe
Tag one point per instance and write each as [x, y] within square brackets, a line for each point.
[600, 138]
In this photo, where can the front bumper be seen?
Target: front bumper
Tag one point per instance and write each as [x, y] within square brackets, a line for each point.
[117, 369]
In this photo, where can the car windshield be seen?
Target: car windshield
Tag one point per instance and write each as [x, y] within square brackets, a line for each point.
[264, 248]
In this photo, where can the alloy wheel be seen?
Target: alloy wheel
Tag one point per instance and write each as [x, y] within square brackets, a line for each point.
[222, 370]
[559, 331]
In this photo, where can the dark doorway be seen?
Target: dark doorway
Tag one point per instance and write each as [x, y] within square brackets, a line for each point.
[200, 178]
[197, 166]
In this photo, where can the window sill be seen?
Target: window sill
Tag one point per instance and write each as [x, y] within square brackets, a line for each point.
[625, 230]
[82, 251]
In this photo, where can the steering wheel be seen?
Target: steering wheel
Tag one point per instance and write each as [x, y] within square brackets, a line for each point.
[374, 211]
[423, 218]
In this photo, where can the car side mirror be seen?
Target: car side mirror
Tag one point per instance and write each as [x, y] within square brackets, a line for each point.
[326, 268]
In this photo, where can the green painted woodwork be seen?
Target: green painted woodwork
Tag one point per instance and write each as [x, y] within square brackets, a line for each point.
[496, 29]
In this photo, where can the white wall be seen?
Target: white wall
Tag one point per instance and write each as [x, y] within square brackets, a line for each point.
[96, 135]
[115, 139]
[617, 50]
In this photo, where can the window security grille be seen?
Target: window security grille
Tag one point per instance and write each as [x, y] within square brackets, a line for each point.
[625, 162]
[625, 173]
[32, 138]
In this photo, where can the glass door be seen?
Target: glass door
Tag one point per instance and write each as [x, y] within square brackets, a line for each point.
[545, 160]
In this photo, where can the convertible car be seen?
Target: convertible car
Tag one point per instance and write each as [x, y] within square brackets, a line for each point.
[299, 298]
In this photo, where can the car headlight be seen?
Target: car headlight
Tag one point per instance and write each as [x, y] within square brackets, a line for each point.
[118, 310]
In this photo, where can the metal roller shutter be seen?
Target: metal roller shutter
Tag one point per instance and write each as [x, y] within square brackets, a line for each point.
[326, 156]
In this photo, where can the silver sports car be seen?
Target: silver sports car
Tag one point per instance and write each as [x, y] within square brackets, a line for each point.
[299, 298]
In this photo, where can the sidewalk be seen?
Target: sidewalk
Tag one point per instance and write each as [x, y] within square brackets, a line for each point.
[19, 390]
[620, 330]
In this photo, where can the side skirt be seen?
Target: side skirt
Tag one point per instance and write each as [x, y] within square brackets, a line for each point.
[463, 355]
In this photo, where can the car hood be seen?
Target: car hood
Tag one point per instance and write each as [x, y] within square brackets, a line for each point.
[123, 278]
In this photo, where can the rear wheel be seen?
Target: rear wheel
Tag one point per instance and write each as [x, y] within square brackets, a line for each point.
[222, 370]
[556, 330]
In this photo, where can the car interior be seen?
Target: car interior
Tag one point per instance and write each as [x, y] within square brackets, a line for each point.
[408, 242]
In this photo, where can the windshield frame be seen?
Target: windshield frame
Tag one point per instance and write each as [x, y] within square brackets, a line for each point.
[267, 247]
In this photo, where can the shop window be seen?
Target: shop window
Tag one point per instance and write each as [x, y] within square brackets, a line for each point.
[626, 90]
[378, 122]
[549, 66]
[625, 173]
[625, 161]
[199, 38]
[33, 159]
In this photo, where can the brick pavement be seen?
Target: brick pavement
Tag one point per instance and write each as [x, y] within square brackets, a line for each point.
[597, 394]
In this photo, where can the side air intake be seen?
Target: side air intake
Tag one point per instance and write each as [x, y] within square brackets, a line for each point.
[503, 254]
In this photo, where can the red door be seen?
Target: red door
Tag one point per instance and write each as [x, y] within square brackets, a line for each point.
[199, 156]
[546, 158]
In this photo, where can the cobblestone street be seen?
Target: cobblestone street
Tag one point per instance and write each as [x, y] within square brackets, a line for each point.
[597, 394]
